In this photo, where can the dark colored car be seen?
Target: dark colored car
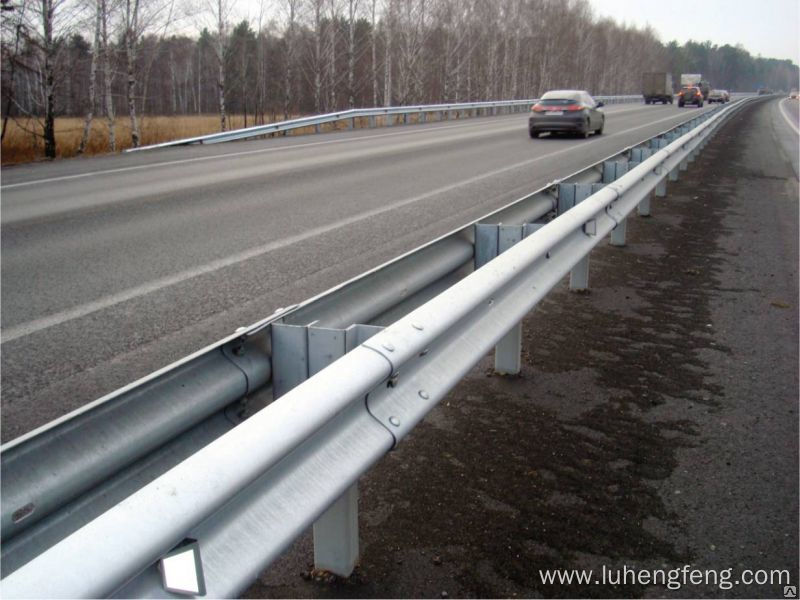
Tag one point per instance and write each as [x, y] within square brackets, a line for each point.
[566, 111]
[690, 95]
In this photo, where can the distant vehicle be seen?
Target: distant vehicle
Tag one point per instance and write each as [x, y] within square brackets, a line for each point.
[657, 87]
[720, 96]
[764, 92]
[793, 94]
[565, 111]
[690, 95]
[696, 80]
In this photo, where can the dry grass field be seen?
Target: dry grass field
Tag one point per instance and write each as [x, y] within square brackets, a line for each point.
[20, 144]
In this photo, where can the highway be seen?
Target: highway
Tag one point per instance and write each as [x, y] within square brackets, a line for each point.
[116, 266]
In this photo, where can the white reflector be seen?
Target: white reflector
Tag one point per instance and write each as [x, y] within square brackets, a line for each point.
[182, 570]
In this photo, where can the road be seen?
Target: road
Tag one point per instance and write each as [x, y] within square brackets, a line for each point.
[654, 427]
[116, 266]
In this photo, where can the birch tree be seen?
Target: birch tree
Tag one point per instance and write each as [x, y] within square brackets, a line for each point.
[352, 10]
[87, 125]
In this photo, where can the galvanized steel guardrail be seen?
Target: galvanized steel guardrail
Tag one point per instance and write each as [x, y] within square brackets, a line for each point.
[93, 502]
[388, 114]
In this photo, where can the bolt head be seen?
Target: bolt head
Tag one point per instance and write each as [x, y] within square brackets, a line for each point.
[389, 346]
[394, 421]
[424, 395]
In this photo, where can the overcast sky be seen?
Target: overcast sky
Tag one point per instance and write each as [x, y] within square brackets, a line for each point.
[767, 27]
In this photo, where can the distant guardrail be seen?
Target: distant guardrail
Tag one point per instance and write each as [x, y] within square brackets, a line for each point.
[98, 502]
[389, 114]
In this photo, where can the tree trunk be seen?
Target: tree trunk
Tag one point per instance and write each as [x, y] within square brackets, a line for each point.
[351, 54]
[49, 78]
[109, 99]
[387, 61]
[11, 78]
[374, 44]
[87, 126]
[221, 61]
[131, 33]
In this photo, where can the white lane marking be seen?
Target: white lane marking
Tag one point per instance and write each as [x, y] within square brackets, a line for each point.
[786, 116]
[259, 151]
[110, 300]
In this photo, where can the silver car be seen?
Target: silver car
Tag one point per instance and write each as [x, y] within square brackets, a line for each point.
[567, 111]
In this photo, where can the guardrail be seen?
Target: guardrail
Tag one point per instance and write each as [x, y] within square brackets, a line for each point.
[99, 502]
[388, 114]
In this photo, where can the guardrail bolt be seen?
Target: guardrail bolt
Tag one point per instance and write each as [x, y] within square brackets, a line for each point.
[423, 394]
[417, 326]
[394, 421]
[388, 346]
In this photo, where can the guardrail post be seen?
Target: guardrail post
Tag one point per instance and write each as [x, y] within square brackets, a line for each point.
[508, 352]
[490, 241]
[372, 122]
[570, 194]
[638, 156]
[613, 170]
[298, 353]
[423, 117]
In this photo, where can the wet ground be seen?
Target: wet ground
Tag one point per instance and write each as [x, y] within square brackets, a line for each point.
[654, 425]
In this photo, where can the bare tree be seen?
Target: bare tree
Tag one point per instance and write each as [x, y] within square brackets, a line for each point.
[316, 7]
[373, 38]
[389, 23]
[289, 44]
[16, 26]
[87, 126]
[107, 75]
[330, 53]
[131, 35]
[352, 9]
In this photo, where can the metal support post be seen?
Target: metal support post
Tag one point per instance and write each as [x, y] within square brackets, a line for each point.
[613, 170]
[673, 175]
[579, 275]
[316, 128]
[336, 535]
[423, 117]
[618, 233]
[644, 207]
[508, 352]
[661, 188]
[491, 241]
[684, 166]
[570, 194]
[372, 122]
[298, 353]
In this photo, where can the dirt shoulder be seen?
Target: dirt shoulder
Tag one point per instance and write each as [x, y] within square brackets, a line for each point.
[655, 424]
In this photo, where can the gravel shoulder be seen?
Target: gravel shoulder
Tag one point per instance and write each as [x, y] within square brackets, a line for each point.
[654, 425]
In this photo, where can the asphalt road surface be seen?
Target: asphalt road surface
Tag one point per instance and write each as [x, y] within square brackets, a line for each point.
[114, 267]
[654, 428]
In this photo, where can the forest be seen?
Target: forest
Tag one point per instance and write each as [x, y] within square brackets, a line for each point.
[108, 66]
